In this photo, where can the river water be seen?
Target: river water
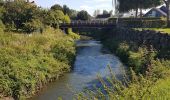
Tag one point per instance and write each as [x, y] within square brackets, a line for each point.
[91, 60]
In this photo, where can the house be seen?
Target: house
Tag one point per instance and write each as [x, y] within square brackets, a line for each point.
[157, 12]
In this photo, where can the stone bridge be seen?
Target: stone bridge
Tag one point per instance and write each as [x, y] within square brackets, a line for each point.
[88, 24]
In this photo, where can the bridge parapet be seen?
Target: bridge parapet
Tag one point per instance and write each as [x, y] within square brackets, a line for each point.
[88, 24]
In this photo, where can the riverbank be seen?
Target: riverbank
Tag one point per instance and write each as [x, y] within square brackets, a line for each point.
[90, 61]
[30, 61]
[149, 65]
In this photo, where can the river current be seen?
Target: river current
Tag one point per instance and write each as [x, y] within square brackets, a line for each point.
[92, 59]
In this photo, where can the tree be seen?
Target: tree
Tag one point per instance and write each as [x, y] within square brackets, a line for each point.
[83, 15]
[167, 3]
[96, 12]
[19, 12]
[73, 14]
[33, 25]
[127, 5]
[66, 10]
[105, 12]
[54, 18]
[57, 7]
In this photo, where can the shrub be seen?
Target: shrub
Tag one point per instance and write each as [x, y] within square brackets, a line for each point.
[27, 62]
[123, 51]
[34, 25]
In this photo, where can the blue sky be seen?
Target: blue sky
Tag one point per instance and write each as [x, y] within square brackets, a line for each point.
[89, 5]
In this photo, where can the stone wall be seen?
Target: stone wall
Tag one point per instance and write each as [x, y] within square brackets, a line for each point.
[159, 41]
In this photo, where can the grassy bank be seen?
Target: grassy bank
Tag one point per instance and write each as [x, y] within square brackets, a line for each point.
[163, 30]
[29, 61]
[148, 75]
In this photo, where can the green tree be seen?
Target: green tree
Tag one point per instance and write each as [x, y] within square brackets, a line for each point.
[18, 13]
[127, 5]
[83, 15]
[33, 25]
[66, 10]
[56, 17]
[105, 12]
[70, 12]
[57, 7]
[73, 14]
[167, 3]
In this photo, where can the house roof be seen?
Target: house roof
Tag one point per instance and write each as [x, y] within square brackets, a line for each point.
[158, 10]
[164, 9]
[104, 16]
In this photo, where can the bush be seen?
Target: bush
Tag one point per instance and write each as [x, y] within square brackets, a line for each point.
[27, 62]
[34, 25]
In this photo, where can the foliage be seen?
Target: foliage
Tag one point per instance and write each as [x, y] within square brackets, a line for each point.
[56, 17]
[83, 15]
[149, 77]
[139, 87]
[162, 30]
[2, 27]
[28, 62]
[141, 22]
[1, 12]
[57, 7]
[66, 10]
[18, 13]
[73, 35]
[105, 12]
[33, 26]
[127, 5]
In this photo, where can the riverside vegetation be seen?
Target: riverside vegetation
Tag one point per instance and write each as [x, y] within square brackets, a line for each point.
[33, 51]
[148, 71]
[30, 61]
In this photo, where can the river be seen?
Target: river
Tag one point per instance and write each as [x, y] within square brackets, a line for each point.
[91, 60]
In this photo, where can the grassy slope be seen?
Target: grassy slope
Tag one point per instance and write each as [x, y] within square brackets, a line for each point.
[27, 62]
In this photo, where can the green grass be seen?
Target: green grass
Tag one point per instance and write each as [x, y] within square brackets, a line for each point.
[27, 62]
[163, 30]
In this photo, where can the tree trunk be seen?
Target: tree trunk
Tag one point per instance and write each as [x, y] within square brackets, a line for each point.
[168, 13]
[136, 15]
[140, 12]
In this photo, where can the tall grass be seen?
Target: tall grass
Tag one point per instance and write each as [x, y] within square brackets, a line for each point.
[27, 62]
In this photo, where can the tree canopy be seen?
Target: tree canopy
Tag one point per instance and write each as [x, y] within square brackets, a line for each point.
[127, 5]
[83, 15]
[23, 16]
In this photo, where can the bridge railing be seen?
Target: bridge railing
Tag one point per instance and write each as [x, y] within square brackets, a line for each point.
[102, 22]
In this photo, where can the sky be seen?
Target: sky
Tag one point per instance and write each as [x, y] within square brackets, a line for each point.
[88, 5]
